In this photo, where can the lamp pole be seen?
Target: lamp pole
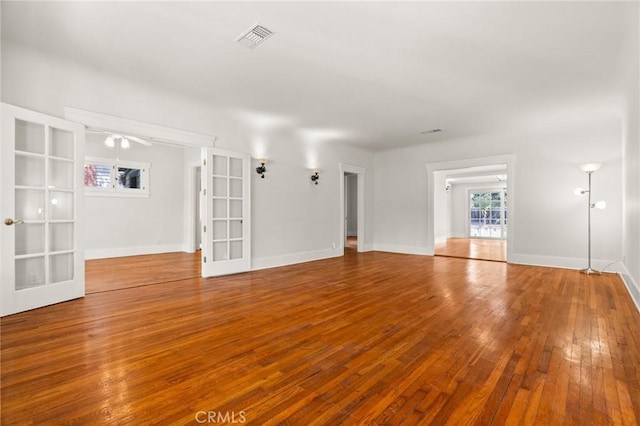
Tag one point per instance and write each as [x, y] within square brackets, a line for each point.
[589, 271]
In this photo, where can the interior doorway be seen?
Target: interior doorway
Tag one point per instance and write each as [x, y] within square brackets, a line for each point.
[470, 208]
[352, 205]
[351, 211]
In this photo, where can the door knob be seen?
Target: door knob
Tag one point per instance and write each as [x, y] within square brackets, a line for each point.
[8, 221]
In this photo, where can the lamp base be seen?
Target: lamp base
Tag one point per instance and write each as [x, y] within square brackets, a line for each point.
[590, 271]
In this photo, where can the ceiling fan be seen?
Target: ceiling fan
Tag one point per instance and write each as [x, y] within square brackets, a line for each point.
[112, 138]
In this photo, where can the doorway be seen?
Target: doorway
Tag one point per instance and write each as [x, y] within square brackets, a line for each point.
[469, 208]
[351, 211]
[352, 205]
[160, 146]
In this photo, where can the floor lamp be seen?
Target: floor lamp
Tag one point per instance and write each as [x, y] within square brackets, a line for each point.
[589, 169]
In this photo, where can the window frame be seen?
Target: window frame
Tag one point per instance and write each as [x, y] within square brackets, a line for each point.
[115, 190]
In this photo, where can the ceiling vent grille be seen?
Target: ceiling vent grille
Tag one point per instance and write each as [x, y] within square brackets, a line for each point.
[255, 35]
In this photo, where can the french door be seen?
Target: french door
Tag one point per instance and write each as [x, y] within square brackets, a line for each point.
[42, 256]
[488, 214]
[226, 185]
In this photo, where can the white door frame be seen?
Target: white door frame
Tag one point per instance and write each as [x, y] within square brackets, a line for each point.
[191, 215]
[361, 172]
[508, 159]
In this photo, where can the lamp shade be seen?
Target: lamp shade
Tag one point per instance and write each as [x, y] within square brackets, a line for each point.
[600, 205]
[589, 167]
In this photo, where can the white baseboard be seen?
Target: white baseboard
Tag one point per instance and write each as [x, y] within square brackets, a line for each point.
[632, 286]
[367, 247]
[439, 240]
[397, 248]
[565, 262]
[291, 259]
[131, 251]
[458, 235]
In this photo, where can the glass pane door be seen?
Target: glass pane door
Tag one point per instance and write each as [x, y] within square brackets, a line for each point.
[40, 233]
[226, 189]
[488, 214]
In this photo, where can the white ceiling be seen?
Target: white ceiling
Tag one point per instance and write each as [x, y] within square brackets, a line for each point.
[369, 74]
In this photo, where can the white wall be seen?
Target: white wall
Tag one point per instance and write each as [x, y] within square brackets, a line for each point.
[550, 222]
[631, 149]
[442, 200]
[293, 220]
[119, 226]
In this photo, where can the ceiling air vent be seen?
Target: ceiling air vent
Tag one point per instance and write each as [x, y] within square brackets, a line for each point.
[255, 35]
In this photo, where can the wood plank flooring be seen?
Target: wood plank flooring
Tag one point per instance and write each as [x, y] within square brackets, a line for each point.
[107, 274]
[368, 338]
[473, 248]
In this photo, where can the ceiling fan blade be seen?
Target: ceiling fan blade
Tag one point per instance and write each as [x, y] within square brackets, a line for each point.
[137, 139]
[88, 130]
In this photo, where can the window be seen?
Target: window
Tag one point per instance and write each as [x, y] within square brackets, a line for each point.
[107, 177]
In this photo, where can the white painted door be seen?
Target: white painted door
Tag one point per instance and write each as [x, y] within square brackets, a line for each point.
[226, 237]
[42, 256]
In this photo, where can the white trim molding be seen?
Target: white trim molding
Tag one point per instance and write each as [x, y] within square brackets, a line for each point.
[132, 251]
[632, 287]
[508, 159]
[401, 249]
[152, 132]
[293, 258]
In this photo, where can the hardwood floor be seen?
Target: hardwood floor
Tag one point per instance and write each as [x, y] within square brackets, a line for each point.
[135, 271]
[473, 248]
[368, 338]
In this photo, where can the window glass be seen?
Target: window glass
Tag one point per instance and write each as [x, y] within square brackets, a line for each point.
[129, 178]
[97, 175]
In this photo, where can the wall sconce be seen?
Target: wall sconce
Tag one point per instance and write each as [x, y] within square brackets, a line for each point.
[261, 169]
[315, 176]
[589, 169]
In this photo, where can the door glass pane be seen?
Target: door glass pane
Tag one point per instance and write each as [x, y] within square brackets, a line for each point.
[219, 229]
[61, 267]
[60, 205]
[61, 143]
[29, 137]
[235, 188]
[29, 238]
[29, 204]
[219, 208]
[219, 187]
[219, 251]
[219, 165]
[235, 167]
[235, 229]
[29, 272]
[236, 249]
[29, 171]
[60, 174]
[235, 208]
[60, 236]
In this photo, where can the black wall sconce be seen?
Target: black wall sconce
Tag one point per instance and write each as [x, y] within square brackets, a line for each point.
[261, 169]
[315, 176]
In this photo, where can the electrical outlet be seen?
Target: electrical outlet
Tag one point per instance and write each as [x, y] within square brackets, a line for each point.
[333, 245]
